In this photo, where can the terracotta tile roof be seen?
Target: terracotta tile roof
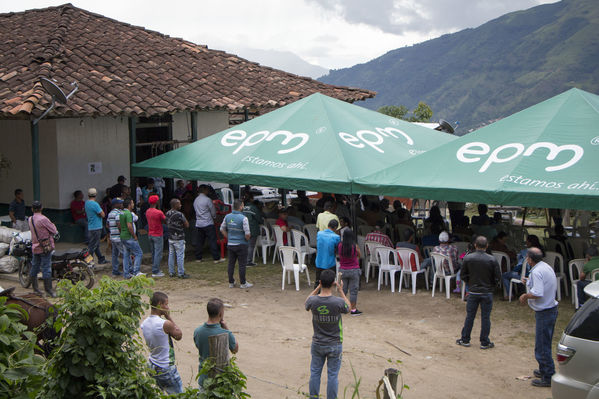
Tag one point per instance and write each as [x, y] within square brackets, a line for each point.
[123, 69]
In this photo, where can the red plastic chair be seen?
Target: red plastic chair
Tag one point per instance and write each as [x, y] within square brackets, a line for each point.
[222, 210]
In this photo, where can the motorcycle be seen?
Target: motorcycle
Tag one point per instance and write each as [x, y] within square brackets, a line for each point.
[74, 264]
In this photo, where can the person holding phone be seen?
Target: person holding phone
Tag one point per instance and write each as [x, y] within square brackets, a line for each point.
[159, 330]
[214, 326]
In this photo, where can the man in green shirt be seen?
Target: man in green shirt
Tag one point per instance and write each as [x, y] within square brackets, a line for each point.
[214, 326]
[592, 264]
[129, 241]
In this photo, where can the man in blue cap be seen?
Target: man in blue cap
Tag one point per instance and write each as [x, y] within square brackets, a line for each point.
[113, 222]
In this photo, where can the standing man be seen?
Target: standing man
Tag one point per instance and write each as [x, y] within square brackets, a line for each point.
[205, 214]
[129, 240]
[95, 215]
[328, 332]
[155, 219]
[176, 223]
[326, 244]
[254, 216]
[236, 229]
[214, 326]
[542, 287]
[323, 219]
[16, 211]
[592, 264]
[118, 190]
[113, 222]
[481, 272]
[159, 333]
[42, 229]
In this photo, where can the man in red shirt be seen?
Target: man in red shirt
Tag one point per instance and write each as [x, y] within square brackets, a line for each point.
[78, 211]
[377, 236]
[282, 223]
[156, 219]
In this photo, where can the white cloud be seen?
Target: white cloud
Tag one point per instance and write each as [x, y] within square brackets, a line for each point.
[329, 33]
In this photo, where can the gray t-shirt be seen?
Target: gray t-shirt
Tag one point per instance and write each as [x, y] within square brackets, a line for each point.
[326, 318]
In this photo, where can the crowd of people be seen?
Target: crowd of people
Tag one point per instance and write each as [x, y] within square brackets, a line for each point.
[122, 219]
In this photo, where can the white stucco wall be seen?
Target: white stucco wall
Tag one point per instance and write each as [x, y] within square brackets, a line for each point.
[210, 122]
[84, 140]
[15, 139]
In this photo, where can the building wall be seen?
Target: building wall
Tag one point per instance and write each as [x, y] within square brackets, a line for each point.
[15, 136]
[210, 122]
[81, 141]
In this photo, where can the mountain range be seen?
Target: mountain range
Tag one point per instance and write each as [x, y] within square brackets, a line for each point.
[476, 76]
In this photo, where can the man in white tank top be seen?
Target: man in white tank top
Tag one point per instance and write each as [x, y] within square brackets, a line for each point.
[158, 333]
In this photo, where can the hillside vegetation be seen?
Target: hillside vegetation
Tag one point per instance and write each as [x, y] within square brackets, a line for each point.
[478, 75]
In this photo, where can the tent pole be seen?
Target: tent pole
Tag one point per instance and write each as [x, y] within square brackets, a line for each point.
[353, 199]
[524, 216]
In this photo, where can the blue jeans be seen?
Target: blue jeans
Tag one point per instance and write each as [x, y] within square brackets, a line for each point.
[131, 247]
[156, 246]
[83, 223]
[332, 354]
[545, 324]
[506, 278]
[176, 248]
[204, 233]
[45, 262]
[486, 304]
[168, 379]
[117, 250]
[94, 244]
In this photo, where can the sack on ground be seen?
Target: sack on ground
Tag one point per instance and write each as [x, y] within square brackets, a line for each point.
[6, 234]
[9, 264]
[3, 249]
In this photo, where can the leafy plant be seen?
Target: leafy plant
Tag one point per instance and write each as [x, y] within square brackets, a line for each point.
[228, 384]
[20, 367]
[100, 352]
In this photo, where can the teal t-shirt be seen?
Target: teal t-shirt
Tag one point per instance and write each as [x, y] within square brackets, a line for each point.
[200, 338]
[93, 210]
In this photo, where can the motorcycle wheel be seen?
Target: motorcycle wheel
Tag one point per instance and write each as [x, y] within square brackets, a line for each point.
[24, 269]
[81, 272]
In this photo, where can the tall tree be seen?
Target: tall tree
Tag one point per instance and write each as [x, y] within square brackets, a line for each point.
[422, 112]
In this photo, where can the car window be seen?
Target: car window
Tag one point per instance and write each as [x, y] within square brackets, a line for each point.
[585, 322]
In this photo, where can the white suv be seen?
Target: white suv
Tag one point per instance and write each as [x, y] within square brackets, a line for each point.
[578, 353]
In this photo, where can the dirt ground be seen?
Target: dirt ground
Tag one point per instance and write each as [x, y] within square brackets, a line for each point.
[274, 334]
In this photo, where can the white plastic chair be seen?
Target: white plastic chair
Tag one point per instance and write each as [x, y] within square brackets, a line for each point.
[288, 255]
[386, 266]
[371, 257]
[556, 261]
[279, 240]
[595, 275]
[577, 264]
[404, 255]
[227, 195]
[553, 245]
[300, 242]
[311, 231]
[500, 256]
[437, 261]
[265, 241]
[517, 281]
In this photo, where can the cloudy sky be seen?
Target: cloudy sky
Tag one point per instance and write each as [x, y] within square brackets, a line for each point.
[328, 33]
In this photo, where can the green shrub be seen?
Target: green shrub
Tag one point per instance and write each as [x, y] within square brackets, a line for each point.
[100, 352]
[20, 367]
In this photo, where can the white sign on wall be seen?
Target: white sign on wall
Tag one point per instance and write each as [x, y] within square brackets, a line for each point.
[94, 168]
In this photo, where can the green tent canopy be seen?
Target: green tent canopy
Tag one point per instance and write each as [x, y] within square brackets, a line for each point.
[317, 143]
[544, 156]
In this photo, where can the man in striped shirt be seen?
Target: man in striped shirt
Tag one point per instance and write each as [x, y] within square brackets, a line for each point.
[379, 237]
[113, 223]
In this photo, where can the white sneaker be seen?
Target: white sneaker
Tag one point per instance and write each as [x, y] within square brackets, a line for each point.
[219, 260]
[231, 285]
[246, 285]
[140, 274]
[159, 274]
